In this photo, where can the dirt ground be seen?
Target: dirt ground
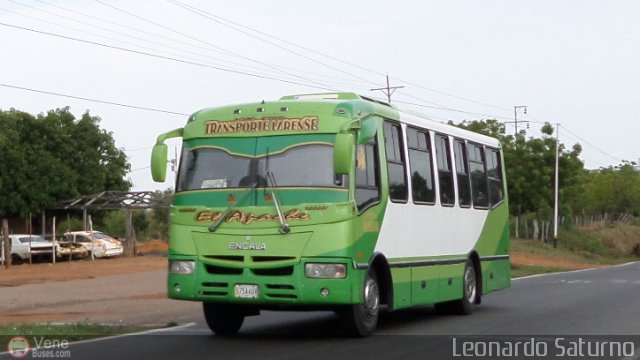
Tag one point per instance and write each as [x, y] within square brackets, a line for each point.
[122, 290]
[63, 270]
[523, 259]
[117, 291]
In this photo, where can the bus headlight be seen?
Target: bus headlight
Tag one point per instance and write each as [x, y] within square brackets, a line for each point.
[325, 271]
[182, 267]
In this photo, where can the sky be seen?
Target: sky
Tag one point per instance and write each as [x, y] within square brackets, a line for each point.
[572, 62]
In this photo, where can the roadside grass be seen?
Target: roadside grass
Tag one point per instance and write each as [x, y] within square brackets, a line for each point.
[69, 332]
[528, 270]
[576, 250]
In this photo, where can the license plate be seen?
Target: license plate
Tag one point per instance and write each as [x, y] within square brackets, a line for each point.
[246, 291]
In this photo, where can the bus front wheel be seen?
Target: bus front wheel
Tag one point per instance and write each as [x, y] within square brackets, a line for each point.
[361, 319]
[223, 320]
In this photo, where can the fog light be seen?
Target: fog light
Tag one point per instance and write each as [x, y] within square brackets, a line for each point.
[181, 267]
[177, 288]
[324, 292]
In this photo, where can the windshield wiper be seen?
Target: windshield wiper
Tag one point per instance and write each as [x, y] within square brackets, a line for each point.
[284, 227]
[271, 184]
[213, 227]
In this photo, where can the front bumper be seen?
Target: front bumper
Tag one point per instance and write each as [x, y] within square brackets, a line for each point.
[278, 285]
[117, 251]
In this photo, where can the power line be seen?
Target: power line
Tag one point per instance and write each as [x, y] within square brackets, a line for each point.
[450, 109]
[137, 149]
[586, 142]
[207, 43]
[92, 100]
[182, 42]
[212, 17]
[135, 45]
[139, 169]
[161, 56]
[593, 146]
[105, 29]
[221, 19]
[176, 58]
[94, 34]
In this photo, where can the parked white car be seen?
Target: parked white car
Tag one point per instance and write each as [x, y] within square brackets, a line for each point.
[22, 244]
[103, 245]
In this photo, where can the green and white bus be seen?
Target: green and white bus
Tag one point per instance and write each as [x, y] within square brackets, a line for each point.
[333, 202]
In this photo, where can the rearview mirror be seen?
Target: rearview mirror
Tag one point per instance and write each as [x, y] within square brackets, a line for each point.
[343, 153]
[159, 162]
[367, 130]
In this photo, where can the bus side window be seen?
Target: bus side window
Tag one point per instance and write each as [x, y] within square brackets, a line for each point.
[462, 171]
[445, 175]
[420, 166]
[395, 162]
[367, 183]
[478, 176]
[494, 173]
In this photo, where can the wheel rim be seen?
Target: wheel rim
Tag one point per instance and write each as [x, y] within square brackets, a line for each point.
[470, 284]
[371, 298]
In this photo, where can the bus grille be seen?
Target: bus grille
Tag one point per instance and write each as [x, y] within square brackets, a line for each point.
[234, 258]
[279, 271]
[215, 289]
[280, 291]
[263, 259]
[221, 270]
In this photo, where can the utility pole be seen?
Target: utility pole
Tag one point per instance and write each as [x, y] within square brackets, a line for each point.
[389, 90]
[515, 115]
[555, 202]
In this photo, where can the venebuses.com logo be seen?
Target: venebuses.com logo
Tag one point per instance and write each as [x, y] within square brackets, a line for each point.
[18, 347]
[38, 347]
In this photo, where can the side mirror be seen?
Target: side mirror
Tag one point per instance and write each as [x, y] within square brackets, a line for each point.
[159, 162]
[343, 153]
[367, 130]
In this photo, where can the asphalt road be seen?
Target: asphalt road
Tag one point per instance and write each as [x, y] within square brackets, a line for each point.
[596, 305]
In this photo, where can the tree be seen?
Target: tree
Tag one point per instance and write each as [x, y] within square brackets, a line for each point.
[530, 167]
[613, 190]
[160, 214]
[48, 158]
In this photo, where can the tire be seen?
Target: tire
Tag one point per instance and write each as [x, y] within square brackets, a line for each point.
[465, 305]
[16, 259]
[361, 320]
[223, 320]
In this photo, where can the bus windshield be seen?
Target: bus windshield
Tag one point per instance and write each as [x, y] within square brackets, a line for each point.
[305, 165]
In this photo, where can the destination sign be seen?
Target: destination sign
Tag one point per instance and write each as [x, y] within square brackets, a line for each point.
[267, 123]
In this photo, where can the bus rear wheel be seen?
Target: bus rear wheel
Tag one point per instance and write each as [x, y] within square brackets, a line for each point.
[465, 305]
[360, 320]
[470, 295]
[223, 320]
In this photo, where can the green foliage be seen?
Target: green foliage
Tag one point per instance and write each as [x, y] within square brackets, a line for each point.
[70, 224]
[584, 242]
[52, 157]
[159, 227]
[530, 168]
[612, 190]
[113, 223]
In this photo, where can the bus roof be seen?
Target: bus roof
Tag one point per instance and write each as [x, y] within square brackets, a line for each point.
[340, 107]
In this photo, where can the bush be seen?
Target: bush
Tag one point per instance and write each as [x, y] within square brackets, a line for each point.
[582, 242]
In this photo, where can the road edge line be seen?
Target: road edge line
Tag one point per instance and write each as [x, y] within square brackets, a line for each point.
[574, 271]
